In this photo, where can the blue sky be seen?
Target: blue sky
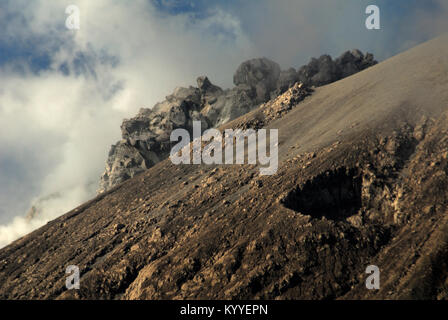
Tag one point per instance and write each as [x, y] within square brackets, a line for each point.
[397, 17]
[65, 93]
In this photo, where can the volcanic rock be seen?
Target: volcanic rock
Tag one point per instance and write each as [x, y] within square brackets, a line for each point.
[145, 138]
[374, 194]
[324, 70]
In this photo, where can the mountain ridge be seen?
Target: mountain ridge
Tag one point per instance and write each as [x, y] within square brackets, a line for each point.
[145, 137]
[363, 170]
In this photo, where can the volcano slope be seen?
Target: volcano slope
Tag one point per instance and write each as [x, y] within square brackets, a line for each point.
[362, 179]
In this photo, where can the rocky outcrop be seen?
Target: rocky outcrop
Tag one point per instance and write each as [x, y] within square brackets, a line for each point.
[146, 137]
[259, 74]
[324, 70]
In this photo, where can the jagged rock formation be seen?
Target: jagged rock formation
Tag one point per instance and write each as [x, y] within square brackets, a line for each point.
[324, 70]
[260, 74]
[362, 180]
[146, 137]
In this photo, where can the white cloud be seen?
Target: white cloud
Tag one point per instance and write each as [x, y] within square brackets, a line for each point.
[62, 126]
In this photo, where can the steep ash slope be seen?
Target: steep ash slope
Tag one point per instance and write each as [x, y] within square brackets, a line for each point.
[362, 180]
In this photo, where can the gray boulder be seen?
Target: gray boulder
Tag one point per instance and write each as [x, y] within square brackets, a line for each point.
[260, 74]
[322, 71]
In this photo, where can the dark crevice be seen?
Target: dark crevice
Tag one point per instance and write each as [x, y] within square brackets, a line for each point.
[335, 195]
